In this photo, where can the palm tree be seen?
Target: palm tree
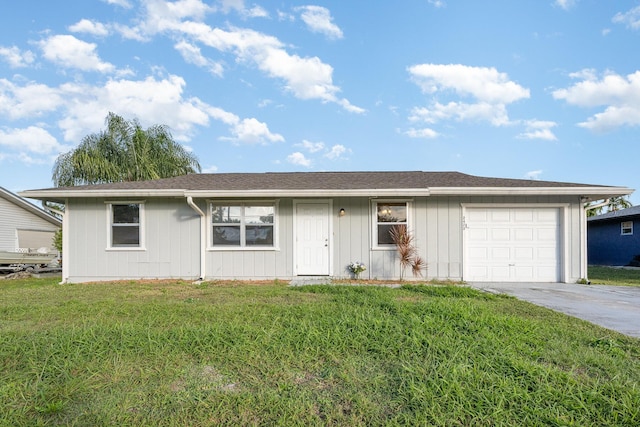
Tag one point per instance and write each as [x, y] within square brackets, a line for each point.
[614, 204]
[124, 152]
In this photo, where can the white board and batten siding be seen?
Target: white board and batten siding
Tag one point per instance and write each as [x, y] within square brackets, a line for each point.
[514, 243]
[171, 243]
[21, 229]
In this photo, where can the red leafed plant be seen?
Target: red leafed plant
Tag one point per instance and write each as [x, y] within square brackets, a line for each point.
[407, 252]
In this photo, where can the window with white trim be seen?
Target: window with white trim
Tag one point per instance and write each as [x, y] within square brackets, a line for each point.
[626, 228]
[386, 216]
[126, 225]
[243, 225]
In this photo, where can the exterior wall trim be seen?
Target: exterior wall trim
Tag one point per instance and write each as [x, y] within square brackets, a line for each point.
[329, 202]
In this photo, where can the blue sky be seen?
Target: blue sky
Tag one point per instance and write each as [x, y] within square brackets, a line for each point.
[539, 89]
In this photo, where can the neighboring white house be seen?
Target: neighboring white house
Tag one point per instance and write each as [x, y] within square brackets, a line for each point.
[285, 225]
[24, 226]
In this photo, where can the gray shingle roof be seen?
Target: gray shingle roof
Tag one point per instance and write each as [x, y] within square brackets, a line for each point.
[622, 213]
[323, 181]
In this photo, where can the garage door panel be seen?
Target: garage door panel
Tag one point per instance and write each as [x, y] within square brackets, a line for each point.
[478, 215]
[523, 216]
[523, 234]
[500, 234]
[545, 234]
[512, 244]
[499, 215]
[500, 272]
[523, 253]
[479, 254]
[547, 215]
[525, 272]
[479, 234]
[500, 254]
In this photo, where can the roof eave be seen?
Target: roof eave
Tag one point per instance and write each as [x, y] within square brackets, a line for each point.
[61, 195]
[375, 192]
[597, 192]
[587, 192]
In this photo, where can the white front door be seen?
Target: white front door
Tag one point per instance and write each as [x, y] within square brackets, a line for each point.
[312, 245]
[512, 244]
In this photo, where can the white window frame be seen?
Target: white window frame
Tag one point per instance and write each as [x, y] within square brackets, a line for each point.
[374, 221]
[141, 216]
[243, 246]
[626, 228]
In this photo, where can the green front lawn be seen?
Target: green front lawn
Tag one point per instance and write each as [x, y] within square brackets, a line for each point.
[614, 276]
[176, 354]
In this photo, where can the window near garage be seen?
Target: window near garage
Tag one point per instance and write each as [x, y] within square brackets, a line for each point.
[125, 225]
[626, 228]
[243, 225]
[388, 215]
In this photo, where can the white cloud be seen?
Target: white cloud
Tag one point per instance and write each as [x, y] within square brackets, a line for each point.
[619, 95]
[247, 131]
[210, 169]
[17, 58]
[535, 175]
[630, 18]
[152, 101]
[337, 152]
[252, 131]
[565, 4]
[422, 133]
[491, 90]
[89, 27]
[28, 101]
[437, 3]
[193, 55]
[485, 84]
[285, 16]
[298, 158]
[122, 3]
[496, 114]
[319, 20]
[539, 129]
[238, 5]
[131, 33]
[305, 77]
[312, 147]
[32, 139]
[256, 12]
[70, 52]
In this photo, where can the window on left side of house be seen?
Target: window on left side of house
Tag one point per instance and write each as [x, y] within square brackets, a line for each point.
[126, 225]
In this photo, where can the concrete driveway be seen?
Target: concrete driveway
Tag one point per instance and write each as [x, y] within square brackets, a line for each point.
[613, 307]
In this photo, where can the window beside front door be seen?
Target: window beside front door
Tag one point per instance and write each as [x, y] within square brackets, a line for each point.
[126, 225]
[388, 215]
[242, 225]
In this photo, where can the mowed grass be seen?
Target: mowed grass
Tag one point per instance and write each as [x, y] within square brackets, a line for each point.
[176, 354]
[614, 276]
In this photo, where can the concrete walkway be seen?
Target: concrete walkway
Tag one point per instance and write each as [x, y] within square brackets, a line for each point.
[613, 307]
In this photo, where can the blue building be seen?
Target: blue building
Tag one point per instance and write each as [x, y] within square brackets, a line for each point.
[614, 238]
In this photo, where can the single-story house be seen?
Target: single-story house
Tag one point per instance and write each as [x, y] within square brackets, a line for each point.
[612, 239]
[254, 226]
[25, 227]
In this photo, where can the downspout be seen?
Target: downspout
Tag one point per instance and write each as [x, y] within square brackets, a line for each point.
[583, 237]
[203, 237]
[65, 239]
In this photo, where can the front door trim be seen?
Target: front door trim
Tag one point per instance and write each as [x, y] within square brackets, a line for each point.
[329, 204]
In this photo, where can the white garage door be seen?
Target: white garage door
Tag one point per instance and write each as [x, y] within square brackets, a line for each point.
[512, 244]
